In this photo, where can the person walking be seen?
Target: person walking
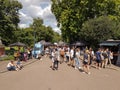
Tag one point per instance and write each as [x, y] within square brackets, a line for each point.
[109, 60]
[54, 59]
[111, 57]
[72, 54]
[77, 59]
[105, 58]
[98, 59]
[91, 53]
[67, 56]
[86, 61]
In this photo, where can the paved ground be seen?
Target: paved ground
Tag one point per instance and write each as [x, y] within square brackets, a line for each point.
[38, 76]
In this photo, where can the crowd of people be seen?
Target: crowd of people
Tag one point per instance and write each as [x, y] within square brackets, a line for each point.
[73, 56]
[79, 59]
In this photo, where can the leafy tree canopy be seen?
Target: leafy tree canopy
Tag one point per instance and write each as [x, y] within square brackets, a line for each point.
[9, 19]
[71, 14]
[97, 30]
[36, 32]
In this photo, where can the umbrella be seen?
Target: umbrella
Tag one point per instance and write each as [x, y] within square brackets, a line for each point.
[19, 44]
[61, 43]
[48, 43]
[79, 44]
[42, 41]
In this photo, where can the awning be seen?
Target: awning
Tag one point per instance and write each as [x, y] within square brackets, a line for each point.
[79, 43]
[19, 44]
[107, 43]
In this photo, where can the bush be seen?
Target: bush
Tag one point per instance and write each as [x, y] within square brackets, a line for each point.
[9, 51]
[7, 57]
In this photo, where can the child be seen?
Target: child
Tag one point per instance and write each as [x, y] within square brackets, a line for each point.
[19, 65]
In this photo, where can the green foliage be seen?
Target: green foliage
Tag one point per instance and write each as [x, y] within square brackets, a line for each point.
[71, 14]
[11, 33]
[9, 19]
[25, 35]
[97, 30]
[116, 35]
[41, 32]
[56, 37]
[36, 32]
[9, 57]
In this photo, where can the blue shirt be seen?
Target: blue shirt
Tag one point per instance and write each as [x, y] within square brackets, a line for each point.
[98, 55]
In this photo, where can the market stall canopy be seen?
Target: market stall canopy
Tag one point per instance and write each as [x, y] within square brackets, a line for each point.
[61, 43]
[42, 41]
[110, 43]
[19, 44]
[48, 44]
[79, 43]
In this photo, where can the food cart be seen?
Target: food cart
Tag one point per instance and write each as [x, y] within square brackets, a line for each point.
[38, 49]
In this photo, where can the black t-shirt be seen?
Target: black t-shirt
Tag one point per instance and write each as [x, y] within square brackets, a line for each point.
[105, 55]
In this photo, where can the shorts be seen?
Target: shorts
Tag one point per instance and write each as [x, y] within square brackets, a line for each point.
[98, 61]
[72, 58]
[85, 63]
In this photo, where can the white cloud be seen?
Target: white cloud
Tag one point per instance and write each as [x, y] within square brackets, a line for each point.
[37, 8]
[25, 18]
[23, 25]
[34, 11]
[27, 3]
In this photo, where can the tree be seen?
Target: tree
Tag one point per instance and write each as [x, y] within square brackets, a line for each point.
[36, 32]
[25, 35]
[9, 19]
[71, 14]
[42, 32]
[38, 28]
[116, 35]
[49, 34]
[56, 37]
[97, 30]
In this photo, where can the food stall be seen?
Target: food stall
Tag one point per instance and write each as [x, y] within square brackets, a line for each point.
[114, 46]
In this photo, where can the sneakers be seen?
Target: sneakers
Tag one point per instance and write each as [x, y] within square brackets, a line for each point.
[99, 68]
[75, 67]
[41, 59]
[89, 73]
[83, 72]
[86, 72]
[80, 67]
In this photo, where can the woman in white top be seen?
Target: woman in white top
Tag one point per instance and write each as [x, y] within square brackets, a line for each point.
[11, 66]
[67, 56]
[77, 59]
[71, 57]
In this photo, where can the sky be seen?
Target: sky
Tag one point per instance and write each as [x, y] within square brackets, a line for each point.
[37, 8]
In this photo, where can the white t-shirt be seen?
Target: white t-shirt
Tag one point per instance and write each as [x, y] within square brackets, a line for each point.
[67, 53]
[10, 64]
[77, 54]
[71, 52]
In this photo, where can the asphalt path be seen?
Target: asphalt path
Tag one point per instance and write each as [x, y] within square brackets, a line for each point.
[39, 76]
